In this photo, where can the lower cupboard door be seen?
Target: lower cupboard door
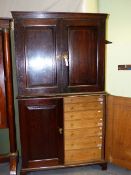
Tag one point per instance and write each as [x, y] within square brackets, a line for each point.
[41, 131]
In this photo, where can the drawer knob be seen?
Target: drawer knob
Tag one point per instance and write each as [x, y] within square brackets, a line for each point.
[100, 124]
[61, 130]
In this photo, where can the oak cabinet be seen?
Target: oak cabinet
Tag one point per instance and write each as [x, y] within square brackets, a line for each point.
[57, 55]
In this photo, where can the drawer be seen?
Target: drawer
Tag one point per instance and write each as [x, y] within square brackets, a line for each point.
[84, 99]
[83, 132]
[82, 155]
[82, 143]
[89, 123]
[90, 114]
[83, 106]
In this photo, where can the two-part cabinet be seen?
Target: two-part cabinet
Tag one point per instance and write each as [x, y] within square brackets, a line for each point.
[60, 64]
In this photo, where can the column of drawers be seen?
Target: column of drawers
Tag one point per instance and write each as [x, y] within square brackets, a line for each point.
[83, 128]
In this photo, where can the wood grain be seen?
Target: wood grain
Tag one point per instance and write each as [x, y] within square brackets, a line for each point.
[119, 131]
[83, 128]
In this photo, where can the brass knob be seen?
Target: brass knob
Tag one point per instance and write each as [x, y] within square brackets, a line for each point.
[65, 57]
[61, 130]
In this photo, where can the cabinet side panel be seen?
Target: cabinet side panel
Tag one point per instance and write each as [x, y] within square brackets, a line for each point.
[119, 131]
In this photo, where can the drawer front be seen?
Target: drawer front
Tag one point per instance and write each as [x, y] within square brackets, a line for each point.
[83, 106]
[83, 99]
[88, 114]
[81, 143]
[82, 156]
[75, 124]
[83, 132]
[83, 129]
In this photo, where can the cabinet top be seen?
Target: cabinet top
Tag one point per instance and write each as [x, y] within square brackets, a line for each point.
[4, 22]
[42, 14]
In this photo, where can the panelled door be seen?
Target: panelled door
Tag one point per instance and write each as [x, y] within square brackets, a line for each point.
[37, 44]
[83, 55]
[41, 131]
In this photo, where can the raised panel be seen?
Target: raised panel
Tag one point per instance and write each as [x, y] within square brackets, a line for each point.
[82, 55]
[3, 119]
[38, 69]
[84, 41]
[40, 121]
[40, 56]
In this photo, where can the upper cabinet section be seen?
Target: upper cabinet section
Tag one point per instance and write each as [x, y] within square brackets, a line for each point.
[59, 52]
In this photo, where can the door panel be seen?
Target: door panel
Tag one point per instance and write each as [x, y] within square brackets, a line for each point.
[40, 120]
[84, 44]
[36, 57]
[80, 66]
[40, 57]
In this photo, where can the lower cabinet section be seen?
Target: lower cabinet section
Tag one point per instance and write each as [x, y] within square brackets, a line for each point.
[62, 131]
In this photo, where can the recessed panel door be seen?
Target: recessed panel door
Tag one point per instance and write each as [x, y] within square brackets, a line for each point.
[37, 49]
[83, 55]
[41, 130]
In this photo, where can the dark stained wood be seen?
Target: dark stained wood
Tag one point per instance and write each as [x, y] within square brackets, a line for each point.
[38, 69]
[40, 120]
[9, 91]
[41, 67]
[3, 115]
[84, 43]
[58, 15]
[6, 92]
[4, 23]
[4, 158]
[56, 53]
[103, 165]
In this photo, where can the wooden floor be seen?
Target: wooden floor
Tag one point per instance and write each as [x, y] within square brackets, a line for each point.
[87, 170]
